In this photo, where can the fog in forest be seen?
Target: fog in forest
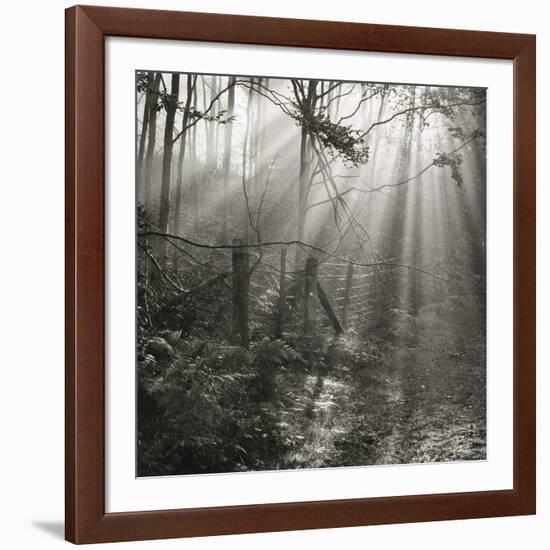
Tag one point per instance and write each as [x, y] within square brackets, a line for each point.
[311, 286]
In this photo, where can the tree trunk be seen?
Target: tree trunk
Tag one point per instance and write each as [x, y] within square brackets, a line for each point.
[260, 131]
[302, 188]
[310, 295]
[308, 109]
[171, 107]
[217, 126]
[191, 81]
[210, 128]
[247, 176]
[149, 98]
[228, 138]
[151, 142]
[195, 171]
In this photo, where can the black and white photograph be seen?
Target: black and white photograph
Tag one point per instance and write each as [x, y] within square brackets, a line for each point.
[310, 273]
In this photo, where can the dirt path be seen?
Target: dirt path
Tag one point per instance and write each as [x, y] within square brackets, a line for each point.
[425, 407]
[317, 420]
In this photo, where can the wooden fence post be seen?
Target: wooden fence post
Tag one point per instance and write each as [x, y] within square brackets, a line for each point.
[241, 283]
[310, 295]
[332, 317]
[347, 295]
[281, 304]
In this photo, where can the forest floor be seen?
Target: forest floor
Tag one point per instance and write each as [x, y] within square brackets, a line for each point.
[420, 405]
[349, 401]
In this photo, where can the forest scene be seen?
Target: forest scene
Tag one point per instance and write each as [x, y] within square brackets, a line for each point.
[311, 273]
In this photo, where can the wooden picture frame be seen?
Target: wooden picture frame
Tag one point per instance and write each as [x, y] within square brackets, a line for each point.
[86, 30]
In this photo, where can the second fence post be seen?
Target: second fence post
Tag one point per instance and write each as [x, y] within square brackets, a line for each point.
[347, 295]
[310, 295]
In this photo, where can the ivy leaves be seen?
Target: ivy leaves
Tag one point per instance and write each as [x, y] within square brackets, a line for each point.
[454, 159]
[338, 139]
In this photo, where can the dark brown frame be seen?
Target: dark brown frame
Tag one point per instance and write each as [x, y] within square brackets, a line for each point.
[86, 29]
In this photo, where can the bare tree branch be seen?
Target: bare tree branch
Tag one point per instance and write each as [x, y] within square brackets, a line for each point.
[289, 243]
